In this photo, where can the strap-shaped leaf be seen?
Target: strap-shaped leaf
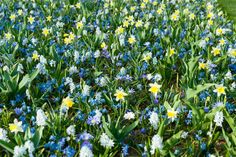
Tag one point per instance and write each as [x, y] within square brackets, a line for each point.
[8, 146]
[190, 93]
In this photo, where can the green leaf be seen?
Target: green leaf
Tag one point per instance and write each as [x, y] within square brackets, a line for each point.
[167, 105]
[226, 138]
[190, 93]
[161, 128]
[8, 146]
[24, 81]
[230, 121]
[129, 128]
[27, 79]
[37, 136]
[171, 142]
[108, 132]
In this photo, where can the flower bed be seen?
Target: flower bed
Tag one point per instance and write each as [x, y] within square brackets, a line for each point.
[116, 78]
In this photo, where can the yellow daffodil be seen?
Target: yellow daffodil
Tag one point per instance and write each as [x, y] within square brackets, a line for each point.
[143, 6]
[35, 56]
[155, 88]
[209, 6]
[172, 114]
[147, 57]
[13, 17]
[220, 31]
[154, 3]
[174, 17]
[20, 12]
[192, 16]
[72, 36]
[186, 11]
[232, 53]
[16, 126]
[120, 95]
[159, 11]
[45, 31]
[215, 51]
[132, 9]
[79, 25]
[67, 41]
[220, 89]
[49, 18]
[119, 30]
[8, 36]
[202, 65]
[68, 102]
[222, 42]
[78, 5]
[210, 22]
[171, 52]
[69, 38]
[103, 45]
[139, 23]
[210, 15]
[126, 23]
[132, 39]
[31, 19]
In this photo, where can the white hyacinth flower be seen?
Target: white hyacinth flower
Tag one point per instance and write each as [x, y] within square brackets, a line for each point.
[154, 120]
[106, 141]
[129, 115]
[71, 130]
[156, 143]
[41, 118]
[3, 135]
[85, 151]
[219, 118]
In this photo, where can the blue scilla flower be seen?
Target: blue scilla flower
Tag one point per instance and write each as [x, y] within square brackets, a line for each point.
[143, 130]
[24, 106]
[80, 116]
[190, 114]
[232, 68]
[206, 109]
[61, 143]
[198, 137]
[92, 101]
[230, 107]
[52, 138]
[125, 150]
[104, 110]
[69, 151]
[32, 130]
[88, 144]
[51, 146]
[187, 121]
[144, 66]
[18, 111]
[203, 95]
[85, 136]
[203, 146]
[13, 102]
[25, 126]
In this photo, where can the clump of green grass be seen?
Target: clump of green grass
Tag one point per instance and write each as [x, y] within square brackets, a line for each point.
[229, 6]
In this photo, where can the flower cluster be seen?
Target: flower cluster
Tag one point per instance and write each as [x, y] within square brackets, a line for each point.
[117, 78]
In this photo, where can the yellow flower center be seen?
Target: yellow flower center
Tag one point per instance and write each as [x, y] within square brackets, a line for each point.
[68, 102]
[220, 90]
[154, 89]
[35, 56]
[12, 127]
[171, 114]
[131, 40]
